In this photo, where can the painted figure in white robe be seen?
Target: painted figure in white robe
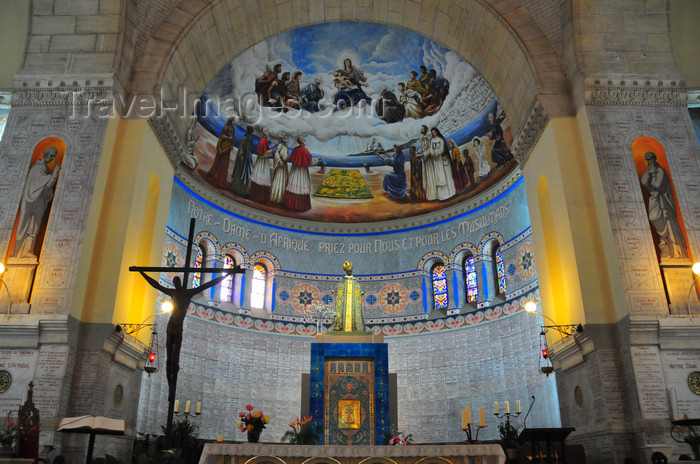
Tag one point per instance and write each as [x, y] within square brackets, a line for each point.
[437, 169]
[279, 170]
[410, 99]
[662, 210]
[36, 197]
[482, 164]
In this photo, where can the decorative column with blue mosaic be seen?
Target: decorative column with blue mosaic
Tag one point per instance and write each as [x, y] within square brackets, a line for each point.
[350, 390]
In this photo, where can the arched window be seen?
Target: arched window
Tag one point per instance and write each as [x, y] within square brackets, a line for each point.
[227, 284]
[439, 286]
[257, 291]
[499, 271]
[470, 279]
[199, 258]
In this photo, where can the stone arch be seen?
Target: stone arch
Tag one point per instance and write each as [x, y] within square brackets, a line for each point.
[458, 253]
[429, 259]
[211, 243]
[487, 241]
[238, 252]
[499, 38]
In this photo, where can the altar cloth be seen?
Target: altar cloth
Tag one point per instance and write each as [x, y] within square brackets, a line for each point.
[252, 453]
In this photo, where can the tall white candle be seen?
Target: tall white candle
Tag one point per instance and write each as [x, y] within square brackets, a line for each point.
[199, 407]
[187, 407]
[468, 411]
[482, 417]
[495, 407]
[517, 406]
[177, 405]
[507, 408]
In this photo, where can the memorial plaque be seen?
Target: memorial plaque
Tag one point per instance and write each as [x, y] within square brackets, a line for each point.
[678, 366]
[20, 365]
[650, 382]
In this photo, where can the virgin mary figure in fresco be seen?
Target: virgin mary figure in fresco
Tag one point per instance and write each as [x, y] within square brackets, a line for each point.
[349, 81]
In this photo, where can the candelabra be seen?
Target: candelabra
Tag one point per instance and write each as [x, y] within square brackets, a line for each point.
[187, 412]
[320, 313]
[468, 430]
[508, 431]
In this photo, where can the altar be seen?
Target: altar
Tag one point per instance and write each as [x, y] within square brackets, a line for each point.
[273, 453]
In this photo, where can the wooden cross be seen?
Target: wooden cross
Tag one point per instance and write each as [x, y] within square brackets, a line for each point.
[181, 297]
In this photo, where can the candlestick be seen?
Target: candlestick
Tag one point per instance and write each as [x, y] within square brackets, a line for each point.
[507, 408]
[482, 417]
[495, 407]
[188, 409]
[517, 406]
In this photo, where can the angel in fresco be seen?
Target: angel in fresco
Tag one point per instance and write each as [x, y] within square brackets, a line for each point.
[36, 197]
[662, 210]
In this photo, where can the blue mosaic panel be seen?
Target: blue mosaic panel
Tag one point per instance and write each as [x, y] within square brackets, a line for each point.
[377, 351]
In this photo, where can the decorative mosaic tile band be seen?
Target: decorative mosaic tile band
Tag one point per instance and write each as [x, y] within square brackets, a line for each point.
[392, 326]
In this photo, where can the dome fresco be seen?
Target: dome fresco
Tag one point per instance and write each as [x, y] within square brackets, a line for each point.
[350, 122]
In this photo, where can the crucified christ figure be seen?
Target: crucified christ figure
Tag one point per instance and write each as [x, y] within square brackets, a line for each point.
[181, 296]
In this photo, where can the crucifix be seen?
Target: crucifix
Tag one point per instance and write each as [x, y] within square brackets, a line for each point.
[181, 297]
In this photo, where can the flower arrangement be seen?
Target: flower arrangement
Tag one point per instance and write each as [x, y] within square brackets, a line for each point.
[7, 436]
[396, 438]
[252, 421]
[302, 432]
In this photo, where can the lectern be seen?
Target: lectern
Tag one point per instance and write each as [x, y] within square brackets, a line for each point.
[546, 436]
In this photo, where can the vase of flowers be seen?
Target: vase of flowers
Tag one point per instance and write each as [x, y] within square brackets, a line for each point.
[7, 436]
[252, 422]
[302, 432]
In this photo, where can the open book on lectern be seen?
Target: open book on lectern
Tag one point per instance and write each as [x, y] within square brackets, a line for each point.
[96, 424]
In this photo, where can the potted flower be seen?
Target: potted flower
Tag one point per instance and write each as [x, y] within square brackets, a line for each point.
[396, 438]
[509, 440]
[252, 422]
[8, 436]
[302, 432]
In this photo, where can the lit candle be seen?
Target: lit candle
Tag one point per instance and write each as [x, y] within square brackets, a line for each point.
[220, 438]
[507, 408]
[517, 406]
[177, 405]
[187, 407]
[482, 417]
[199, 407]
[495, 407]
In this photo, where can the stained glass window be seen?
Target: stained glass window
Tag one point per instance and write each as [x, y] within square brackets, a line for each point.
[227, 284]
[198, 259]
[439, 286]
[500, 270]
[470, 279]
[257, 293]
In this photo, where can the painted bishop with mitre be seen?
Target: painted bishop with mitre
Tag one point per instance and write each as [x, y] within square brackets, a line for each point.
[348, 304]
